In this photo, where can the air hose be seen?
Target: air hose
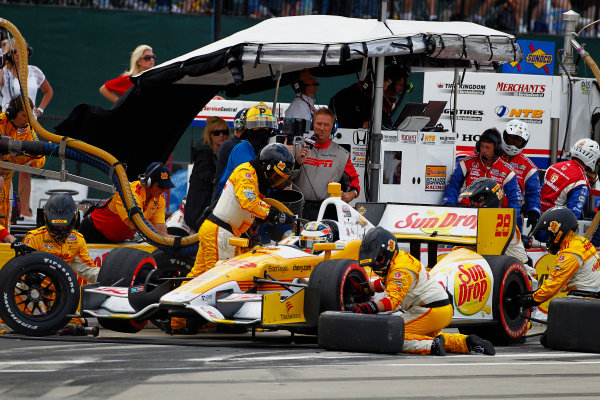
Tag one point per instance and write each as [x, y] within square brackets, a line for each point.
[80, 151]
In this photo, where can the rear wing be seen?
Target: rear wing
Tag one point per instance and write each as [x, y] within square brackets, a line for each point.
[488, 229]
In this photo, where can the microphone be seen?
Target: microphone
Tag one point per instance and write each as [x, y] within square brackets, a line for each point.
[310, 142]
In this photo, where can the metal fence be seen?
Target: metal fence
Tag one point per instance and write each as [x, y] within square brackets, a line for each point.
[518, 16]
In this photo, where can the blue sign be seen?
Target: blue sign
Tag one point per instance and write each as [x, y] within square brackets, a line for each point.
[538, 59]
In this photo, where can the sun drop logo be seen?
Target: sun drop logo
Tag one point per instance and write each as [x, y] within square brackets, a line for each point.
[472, 287]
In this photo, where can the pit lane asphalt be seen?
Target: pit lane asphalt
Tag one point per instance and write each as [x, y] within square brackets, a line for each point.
[153, 365]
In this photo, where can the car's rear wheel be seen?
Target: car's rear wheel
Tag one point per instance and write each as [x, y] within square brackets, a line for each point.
[510, 279]
[39, 293]
[127, 267]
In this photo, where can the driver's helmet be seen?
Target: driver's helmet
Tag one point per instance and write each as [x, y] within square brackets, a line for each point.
[60, 216]
[515, 128]
[558, 222]
[276, 163]
[377, 250]
[315, 232]
[483, 193]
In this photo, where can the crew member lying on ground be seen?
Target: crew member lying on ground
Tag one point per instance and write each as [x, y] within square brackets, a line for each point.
[58, 237]
[425, 304]
[110, 222]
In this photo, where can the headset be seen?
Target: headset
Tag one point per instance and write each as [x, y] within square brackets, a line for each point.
[146, 179]
[298, 86]
[14, 107]
[490, 135]
[335, 123]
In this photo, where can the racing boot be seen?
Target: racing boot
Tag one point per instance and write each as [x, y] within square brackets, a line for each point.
[480, 346]
[437, 346]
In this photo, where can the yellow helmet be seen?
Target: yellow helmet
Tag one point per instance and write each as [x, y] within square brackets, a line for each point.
[261, 116]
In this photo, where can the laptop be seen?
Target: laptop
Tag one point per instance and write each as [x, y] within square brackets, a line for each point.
[409, 110]
[434, 111]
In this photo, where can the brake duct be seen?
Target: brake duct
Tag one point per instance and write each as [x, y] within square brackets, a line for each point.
[78, 150]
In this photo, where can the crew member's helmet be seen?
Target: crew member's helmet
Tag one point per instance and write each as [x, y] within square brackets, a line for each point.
[60, 216]
[261, 116]
[587, 151]
[315, 232]
[515, 128]
[377, 250]
[558, 222]
[276, 163]
[483, 193]
[239, 121]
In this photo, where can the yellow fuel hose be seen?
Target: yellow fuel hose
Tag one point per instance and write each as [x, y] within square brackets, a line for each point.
[119, 170]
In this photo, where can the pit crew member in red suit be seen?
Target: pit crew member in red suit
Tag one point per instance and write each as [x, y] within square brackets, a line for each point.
[514, 140]
[58, 237]
[487, 163]
[325, 162]
[577, 265]
[110, 223]
[238, 206]
[424, 301]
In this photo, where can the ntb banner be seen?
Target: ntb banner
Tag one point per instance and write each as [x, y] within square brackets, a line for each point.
[538, 58]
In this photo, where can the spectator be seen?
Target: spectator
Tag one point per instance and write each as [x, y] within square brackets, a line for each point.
[14, 123]
[142, 59]
[485, 163]
[238, 207]
[58, 236]
[11, 87]
[514, 140]
[325, 162]
[566, 183]
[110, 222]
[202, 179]
[576, 262]
[239, 128]
[261, 124]
[303, 106]
[426, 305]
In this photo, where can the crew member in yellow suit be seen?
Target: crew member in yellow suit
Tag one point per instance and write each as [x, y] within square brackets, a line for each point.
[427, 308]
[238, 206]
[14, 123]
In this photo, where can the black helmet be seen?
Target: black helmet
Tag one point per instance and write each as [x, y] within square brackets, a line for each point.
[378, 245]
[60, 215]
[276, 162]
[557, 221]
[485, 191]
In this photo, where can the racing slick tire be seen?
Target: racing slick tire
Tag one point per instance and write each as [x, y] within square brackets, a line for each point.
[332, 279]
[128, 267]
[566, 330]
[40, 292]
[510, 279]
[344, 331]
[166, 263]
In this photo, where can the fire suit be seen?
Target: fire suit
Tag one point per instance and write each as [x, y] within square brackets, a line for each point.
[73, 251]
[576, 267]
[112, 219]
[471, 168]
[8, 129]
[426, 304]
[565, 184]
[529, 183]
[238, 206]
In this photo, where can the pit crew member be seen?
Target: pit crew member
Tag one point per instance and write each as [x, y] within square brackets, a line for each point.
[425, 304]
[14, 123]
[239, 134]
[110, 222]
[514, 139]
[58, 236]
[486, 163]
[577, 265]
[325, 162]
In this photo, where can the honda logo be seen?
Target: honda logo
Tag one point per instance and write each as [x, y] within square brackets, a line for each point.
[358, 139]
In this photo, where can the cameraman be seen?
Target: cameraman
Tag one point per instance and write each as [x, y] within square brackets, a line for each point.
[322, 163]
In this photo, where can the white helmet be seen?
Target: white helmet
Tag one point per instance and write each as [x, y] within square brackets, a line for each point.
[587, 151]
[517, 128]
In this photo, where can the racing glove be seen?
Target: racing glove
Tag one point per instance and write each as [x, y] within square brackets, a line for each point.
[370, 307]
[525, 300]
[279, 217]
[532, 218]
[21, 248]
[360, 287]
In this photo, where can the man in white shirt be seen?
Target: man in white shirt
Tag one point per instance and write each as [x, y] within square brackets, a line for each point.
[303, 106]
